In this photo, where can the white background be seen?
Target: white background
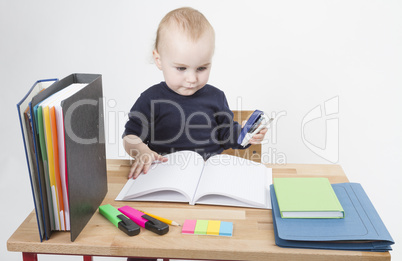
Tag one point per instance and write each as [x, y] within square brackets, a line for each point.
[285, 57]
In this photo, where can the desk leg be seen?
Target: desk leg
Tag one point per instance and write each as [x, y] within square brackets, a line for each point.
[29, 257]
[87, 258]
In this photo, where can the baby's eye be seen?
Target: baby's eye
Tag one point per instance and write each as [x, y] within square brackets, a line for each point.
[181, 69]
[200, 69]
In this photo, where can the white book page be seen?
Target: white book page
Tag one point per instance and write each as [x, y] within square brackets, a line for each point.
[174, 180]
[55, 211]
[68, 91]
[234, 181]
[54, 101]
[51, 171]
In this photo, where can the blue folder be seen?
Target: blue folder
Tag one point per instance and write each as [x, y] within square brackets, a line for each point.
[31, 158]
[362, 228]
[30, 154]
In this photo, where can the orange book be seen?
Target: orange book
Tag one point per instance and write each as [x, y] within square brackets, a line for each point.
[52, 178]
[56, 165]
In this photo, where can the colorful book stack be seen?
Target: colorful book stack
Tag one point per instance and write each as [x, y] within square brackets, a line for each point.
[62, 128]
[355, 225]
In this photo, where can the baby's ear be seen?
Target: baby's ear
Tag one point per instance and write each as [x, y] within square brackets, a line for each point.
[157, 59]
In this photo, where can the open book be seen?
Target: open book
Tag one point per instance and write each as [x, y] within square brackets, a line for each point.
[221, 180]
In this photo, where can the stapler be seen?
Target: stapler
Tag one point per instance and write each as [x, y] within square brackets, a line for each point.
[254, 124]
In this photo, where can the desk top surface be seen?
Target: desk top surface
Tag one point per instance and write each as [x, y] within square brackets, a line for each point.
[253, 236]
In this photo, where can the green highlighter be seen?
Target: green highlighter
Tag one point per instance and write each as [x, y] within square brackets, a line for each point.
[119, 220]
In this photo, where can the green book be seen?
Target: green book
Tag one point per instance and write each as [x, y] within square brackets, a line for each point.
[307, 198]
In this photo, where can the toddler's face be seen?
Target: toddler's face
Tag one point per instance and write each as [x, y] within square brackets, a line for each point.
[186, 64]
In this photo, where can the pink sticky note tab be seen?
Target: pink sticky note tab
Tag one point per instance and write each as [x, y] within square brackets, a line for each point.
[189, 226]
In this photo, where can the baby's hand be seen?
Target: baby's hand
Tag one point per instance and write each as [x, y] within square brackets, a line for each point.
[143, 162]
[258, 137]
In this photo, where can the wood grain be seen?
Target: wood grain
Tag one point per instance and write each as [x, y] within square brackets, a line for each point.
[253, 237]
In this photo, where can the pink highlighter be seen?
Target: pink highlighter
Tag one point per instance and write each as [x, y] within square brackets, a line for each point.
[144, 220]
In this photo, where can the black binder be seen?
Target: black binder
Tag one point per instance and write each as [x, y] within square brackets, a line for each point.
[85, 147]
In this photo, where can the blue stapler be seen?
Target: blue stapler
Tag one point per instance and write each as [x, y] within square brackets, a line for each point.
[254, 124]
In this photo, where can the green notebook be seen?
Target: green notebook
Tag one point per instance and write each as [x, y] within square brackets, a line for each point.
[307, 198]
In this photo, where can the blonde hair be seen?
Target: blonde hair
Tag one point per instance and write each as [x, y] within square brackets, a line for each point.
[188, 20]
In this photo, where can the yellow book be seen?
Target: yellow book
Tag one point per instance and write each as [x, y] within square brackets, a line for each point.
[55, 148]
[50, 158]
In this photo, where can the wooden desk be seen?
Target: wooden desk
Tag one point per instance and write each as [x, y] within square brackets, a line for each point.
[253, 236]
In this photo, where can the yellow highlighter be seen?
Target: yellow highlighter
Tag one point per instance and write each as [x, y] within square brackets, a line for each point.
[164, 220]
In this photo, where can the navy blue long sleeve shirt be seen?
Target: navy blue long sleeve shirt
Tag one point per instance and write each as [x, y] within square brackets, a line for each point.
[167, 121]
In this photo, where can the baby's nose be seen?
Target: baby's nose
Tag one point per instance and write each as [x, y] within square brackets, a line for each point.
[191, 77]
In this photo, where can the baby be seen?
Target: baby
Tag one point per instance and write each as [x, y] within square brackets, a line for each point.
[183, 112]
